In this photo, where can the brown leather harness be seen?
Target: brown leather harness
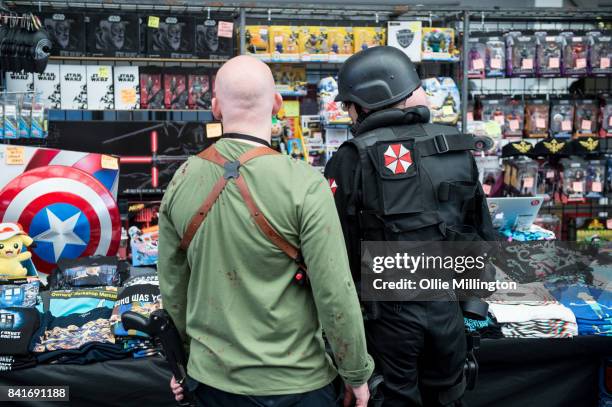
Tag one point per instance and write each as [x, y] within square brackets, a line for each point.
[232, 172]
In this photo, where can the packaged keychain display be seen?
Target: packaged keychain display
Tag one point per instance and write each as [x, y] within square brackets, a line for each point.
[444, 101]
[549, 54]
[585, 118]
[368, 37]
[595, 178]
[257, 41]
[561, 117]
[39, 124]
[574, 179]
[25, 116]
[406, 36]
[600, 53]
[11, 121]
[514, 124]
[496, 57]
[536, 118]
[575, 54]
[340, 43]
[439, 44]
[477, 55]
[520, 54]
[284, 43]
[313, 44]
[605, 113]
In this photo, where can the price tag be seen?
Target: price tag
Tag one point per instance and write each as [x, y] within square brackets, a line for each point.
[528, 182]
[610, 121]
[609, 223]
[577, 186]
[499, 119]
[580, 63]
[153, 22]
[604, 63]
[333, 57]
[514, 124]
[278, 38]
[566, 125]
[585, 125]
[14, 155]
[496, 63]
[213, 130]
[128, 96]
[486, 188]
[103, 71]
[109, 162]
[550, 174]
[470, 117]
[540, 123]
[291, 108]
[447, 110]
[596, 186]
[225, 29]
[478, 64]
[492, 128]
[553, 63]
[527, 63]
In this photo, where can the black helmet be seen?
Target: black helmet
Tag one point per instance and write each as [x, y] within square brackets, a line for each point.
[377, 77]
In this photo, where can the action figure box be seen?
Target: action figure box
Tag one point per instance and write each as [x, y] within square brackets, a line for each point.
[257, 41]
[600, 53]
[514, 123]
[561, 117]
[66, 32]
[520, 54]
[330, 110]
[73, 87]
[16, 82]
[492, 114]
[439, 44]
[340, 43]
[368, 37]
[586, 117]
[284, 43]
[175, 90]
[47, 86]
[215, 37]
[151, 90]
[200, 91]
[113, 35]
[496, 57]
[574, 179]
[100, 91]
[127, 87]
[170, 36]
[536, 118]
[313, 44]
[605, 114]
[595, 178]
[11, 117]
[575, 54]
[290, 80]
[444, 101]
[550, 52]
[477, 56]
[406, 36]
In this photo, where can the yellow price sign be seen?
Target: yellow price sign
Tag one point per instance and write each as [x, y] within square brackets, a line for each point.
[213, 130]
[447, 110]
[15, 155]
[492, 128]
[153, 22]
[109, 162]
[103, 72]
[128, 96]
[291, 108]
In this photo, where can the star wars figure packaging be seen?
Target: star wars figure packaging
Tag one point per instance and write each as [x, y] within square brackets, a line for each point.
[605, 128]
[340, 42]
[575, 54]
[600, 53]
[66, 32]
[496, 57]
[368, 37]
[313, 44]
[127, 87]
[443, 97]
[284, 43]
[175, 90]
[477, 55]
[585, 118]
[17, 82]
[406, 36]
[215, 38]
[257, 41]
[520, 54]
[151, 90]
[561, 117]
[200, 92]
[514, 122]
[73, 87]
[100, 93]
[550, 48]
[439, 44]
[114, 35]
[171, 37]
[536, 118]
[47, 86]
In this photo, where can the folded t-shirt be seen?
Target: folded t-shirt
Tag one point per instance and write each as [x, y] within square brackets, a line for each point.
[530, 311]
[140, 298]
[66, 302]
[19, 295]
[10, 363]
[17, 326]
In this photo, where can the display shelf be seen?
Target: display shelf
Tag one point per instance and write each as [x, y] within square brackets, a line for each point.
[84, 60]
[131, 115]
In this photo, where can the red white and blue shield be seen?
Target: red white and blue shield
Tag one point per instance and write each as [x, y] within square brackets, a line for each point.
[68, 212]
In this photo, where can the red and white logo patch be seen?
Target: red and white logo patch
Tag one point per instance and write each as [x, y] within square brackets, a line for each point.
[333, 185]
[397, 158]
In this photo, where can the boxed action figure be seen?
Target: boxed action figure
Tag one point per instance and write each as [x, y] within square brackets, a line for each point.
[114, 35]
[175, 91]
[605, 128]
[406, 36]
[439, 44]
[47, 86]
[575, 54]
[550, 48]
[444, 101]
[600, 53]
[574, 179]
[73, 87]
[520, 54]
[200, 92]
[127, 87]
[595, 178]
[290, 80]
[492, 109]
[284, 43]
[100, 94]
[585, 118]
[368, 37]
[561, 117]
[536, 118]
[476, 57]
[313, 44]
[514, 123]
[19, 82]
[215, 38]
[340, 42]
[330, 110]
[66, 32]
[151, 90]
[257, 41]
[171, 37]
[496, 57]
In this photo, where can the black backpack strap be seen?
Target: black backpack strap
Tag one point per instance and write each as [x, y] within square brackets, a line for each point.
[444, 143]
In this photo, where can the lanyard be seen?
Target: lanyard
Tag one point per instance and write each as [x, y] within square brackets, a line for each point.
[239, 136]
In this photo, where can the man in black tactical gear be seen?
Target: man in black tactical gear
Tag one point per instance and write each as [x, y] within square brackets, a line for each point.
[403, 179]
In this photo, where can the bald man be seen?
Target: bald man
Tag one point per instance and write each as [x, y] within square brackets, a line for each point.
[255, 333]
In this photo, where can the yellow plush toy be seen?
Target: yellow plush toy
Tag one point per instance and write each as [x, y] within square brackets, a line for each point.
[12, 240]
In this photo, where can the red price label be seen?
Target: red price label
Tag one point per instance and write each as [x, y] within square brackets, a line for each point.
[553, 63]
[478, 64]
[496, 63]
[527, 63]
[225, 29]
[580, 63]
[540, 123]
[577, 186]
[596, 186]
[486, 188]
[566, 125]
[585, 125]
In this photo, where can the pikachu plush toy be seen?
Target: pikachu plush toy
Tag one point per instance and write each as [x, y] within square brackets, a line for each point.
[13, 240]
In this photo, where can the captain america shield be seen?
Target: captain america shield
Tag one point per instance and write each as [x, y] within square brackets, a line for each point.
[66, 211]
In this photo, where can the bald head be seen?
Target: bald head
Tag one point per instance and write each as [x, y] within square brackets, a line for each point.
[245, 94]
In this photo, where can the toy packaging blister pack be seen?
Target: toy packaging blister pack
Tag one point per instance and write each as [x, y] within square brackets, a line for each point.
[477, 57]
[25, 116]
[600, 53]
[329, 110]
[574, 179]
[290, 80]
[284, 43]
[151, 91]
[39, 124]
[340, 42]
[171, 37]
[561, 117]
[406, 36]
[520, 54]
[313, 44]
[444, 101]
[605, 128]
[490, 172]
[200, 92]
[585, 118]
[595, 178]
[11, 123]
[550, 47]
[257, 41]
[548, 177]
[439, 44]
[175, 91]
[527, 177]
[492, 114]
[575, 54]
[368, 37]
[214, 37]
[496, 57]
[536, 118]
[514, 122]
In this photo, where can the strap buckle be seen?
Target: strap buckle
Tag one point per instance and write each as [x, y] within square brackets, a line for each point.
[231, 169]
[441, 144]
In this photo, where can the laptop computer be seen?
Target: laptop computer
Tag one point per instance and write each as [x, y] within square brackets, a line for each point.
[517, 213]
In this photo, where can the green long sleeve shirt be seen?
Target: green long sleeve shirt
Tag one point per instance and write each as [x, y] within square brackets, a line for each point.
[250, 328]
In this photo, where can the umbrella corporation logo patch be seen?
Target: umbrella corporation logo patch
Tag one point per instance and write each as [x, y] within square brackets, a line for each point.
[397, 158]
